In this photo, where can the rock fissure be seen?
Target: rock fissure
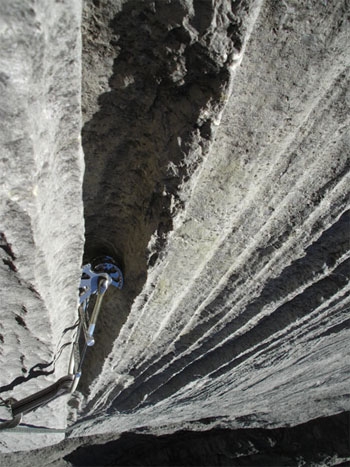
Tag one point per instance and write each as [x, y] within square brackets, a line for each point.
[282, 261]
[217, 175]
[141, 144]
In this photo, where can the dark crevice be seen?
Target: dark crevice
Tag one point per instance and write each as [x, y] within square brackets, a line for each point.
[24, 369]
[9, 261]
[345, 325]
[311, 443]
[6, 246]
[20, 321]
[150, 118]
[10, 264]
[34, 372]
[34, 291]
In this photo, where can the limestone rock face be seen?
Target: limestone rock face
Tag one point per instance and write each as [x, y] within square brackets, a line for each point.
[216, 149]
[223, 134]
[41, 215]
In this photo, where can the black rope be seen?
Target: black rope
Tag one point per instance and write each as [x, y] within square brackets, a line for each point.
[5, 402]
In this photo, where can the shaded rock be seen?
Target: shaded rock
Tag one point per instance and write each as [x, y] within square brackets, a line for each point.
[167, 85]
[323, 441]
[318, 442]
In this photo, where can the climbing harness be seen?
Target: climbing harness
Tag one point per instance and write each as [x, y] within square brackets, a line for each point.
[96, 278]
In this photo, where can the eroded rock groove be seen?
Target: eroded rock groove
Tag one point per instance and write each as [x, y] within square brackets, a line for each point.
[151, 131]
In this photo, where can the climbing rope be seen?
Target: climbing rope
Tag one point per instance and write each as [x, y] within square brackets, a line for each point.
[96, 278]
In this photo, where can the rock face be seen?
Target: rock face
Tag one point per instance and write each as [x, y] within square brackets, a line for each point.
[248, 447]
[217, 172]
[41, 215]
[225, 127]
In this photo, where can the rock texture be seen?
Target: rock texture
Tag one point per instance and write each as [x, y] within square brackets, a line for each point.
[151, 128]
[217, 172]
[290, 446]
[248, 447]
[224, 128]
[41, 214]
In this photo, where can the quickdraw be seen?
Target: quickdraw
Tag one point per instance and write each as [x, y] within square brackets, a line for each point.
[97, 277]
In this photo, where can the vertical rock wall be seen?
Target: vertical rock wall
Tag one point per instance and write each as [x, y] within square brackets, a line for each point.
[243, 316]
[165, 71]
[217, 172]
[41, 213]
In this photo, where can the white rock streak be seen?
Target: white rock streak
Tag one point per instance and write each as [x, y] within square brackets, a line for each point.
[246, 315]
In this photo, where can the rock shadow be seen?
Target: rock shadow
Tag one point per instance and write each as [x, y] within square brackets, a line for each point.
[148, 137]
[311, 443]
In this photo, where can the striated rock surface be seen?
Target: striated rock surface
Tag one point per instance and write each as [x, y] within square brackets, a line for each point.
[217, 171]
[224, 128]
[41, 214]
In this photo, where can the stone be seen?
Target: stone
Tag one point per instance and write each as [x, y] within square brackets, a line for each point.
[217, 174]
[245, 282]
[41, 215]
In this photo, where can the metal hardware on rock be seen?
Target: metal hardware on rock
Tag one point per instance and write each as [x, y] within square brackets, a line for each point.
[96, 278]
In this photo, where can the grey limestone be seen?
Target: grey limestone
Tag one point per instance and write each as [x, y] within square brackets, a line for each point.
[216, 150]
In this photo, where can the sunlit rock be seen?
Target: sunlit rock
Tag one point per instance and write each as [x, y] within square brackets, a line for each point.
[41, 214]
[217, 174]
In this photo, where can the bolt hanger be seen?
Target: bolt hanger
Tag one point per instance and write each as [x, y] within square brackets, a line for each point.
[96, 278]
